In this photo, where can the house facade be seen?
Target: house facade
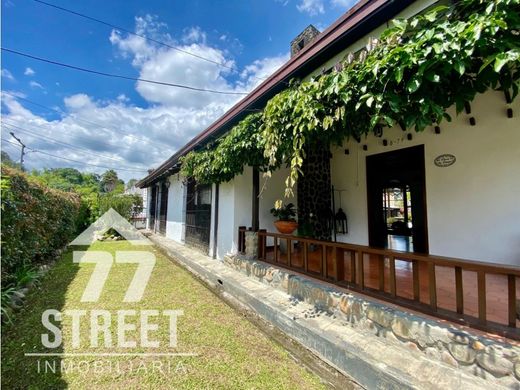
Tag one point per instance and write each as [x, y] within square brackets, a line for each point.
[453, 188]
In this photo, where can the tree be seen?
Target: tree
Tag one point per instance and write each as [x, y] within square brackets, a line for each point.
[110, 181]
[8, 161]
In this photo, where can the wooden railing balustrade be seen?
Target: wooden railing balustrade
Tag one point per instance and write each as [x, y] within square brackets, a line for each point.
[344, 264]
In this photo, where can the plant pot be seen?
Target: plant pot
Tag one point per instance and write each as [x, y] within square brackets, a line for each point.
[286, 227]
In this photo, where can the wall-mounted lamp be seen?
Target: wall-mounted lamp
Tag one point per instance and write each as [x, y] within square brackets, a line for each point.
[365, 147]
[472, 121]
[437, 130]
[509, 112]
[385, 142]
[347, 151]
[409, 136]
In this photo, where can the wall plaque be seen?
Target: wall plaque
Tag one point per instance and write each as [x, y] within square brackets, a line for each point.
[444, 160]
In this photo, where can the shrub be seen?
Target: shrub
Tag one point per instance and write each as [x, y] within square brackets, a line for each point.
[125, 205]
[36, 221]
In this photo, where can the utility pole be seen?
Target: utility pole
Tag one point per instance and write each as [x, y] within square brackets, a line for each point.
[22, 154]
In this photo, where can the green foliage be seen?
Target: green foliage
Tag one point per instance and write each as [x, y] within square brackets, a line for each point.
[284, 212]
[110, 182]
[36, 221]
[419, 68]
[87, 185]
[8, 161]
[223, 161]
[126, 205]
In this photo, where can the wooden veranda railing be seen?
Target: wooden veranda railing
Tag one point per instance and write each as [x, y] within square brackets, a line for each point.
[412, 284]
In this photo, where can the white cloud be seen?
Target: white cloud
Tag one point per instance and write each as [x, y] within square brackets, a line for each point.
[142, 137]
[8, 75]
[35, 84]
[194, 35]
[78, 101]
[29, 72]
[312, 7]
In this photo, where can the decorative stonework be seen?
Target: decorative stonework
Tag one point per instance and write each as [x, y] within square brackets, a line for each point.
[314, 192]
[495, 361]
[251, 245]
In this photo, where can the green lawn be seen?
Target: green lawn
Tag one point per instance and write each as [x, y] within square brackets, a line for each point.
[232, 353]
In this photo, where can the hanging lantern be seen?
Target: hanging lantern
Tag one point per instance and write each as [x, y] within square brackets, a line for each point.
[341, 222]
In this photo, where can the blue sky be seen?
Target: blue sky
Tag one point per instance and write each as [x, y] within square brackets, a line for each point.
[129, 125]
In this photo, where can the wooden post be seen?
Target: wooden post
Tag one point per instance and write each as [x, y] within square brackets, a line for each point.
[459, 290]
[432, 285]
[261, 244]
[353, 274]
[305, 257]
[275, 249]
[289, 245]
[381, 276]
[324, 261]
[511, 301]
[416, 281]
[481, 278]
[391, 265]
[361, 272]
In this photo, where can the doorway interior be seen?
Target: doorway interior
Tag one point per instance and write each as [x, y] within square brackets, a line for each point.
[396, 193]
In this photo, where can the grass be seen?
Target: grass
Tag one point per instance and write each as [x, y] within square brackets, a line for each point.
[232, 352]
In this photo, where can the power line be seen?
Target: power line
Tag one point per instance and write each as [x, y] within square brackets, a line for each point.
[11, 142]
[85, 163]
[141, 36]
[113, 75]
[53, 140]
[87, 121]
[76, 161]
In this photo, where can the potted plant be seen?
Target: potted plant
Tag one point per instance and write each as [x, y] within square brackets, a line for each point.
[286, 223]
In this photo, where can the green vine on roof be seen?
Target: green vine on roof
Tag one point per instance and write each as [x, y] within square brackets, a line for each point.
[419, 68]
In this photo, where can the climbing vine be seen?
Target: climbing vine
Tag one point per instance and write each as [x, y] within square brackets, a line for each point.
[415, 71]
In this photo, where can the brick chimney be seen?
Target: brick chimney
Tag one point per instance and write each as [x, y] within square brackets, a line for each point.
[306, 37]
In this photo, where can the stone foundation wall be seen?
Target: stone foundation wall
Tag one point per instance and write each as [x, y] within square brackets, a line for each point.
[497, 361]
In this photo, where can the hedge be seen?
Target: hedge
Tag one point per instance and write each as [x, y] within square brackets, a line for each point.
[36, 221]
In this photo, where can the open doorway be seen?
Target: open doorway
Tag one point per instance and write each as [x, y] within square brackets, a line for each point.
[397, 212]
[396, 194]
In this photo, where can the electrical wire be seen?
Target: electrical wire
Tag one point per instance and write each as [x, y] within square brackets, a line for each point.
[113, 75]
[85, 163]
[55, 141]
[158, 145]
[223, 65]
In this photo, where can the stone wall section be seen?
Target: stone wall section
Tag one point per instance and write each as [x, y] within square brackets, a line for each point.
[495, 360]
[314, 192]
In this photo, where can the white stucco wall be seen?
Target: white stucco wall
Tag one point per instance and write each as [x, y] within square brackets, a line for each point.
[272, 189]
[234, 210]
[473, 206]
[175, 213]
